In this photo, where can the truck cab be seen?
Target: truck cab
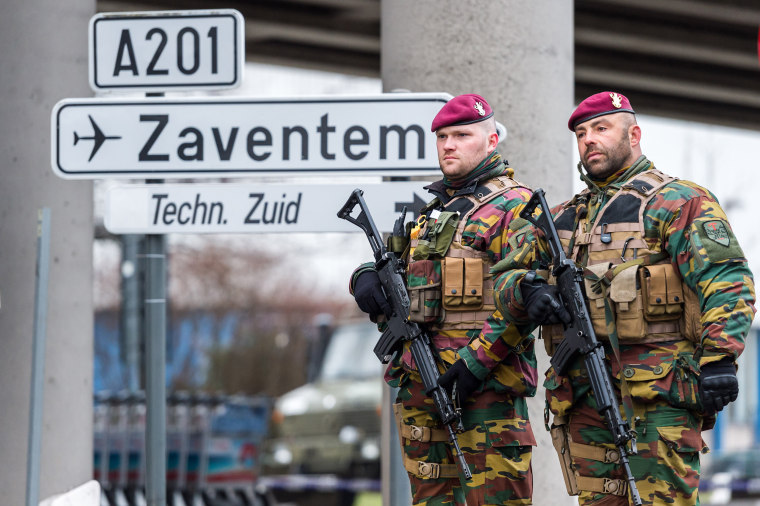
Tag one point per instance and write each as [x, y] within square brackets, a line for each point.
[326, 433]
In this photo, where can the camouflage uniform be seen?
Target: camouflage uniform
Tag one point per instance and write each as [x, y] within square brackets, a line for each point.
[498, 437]
[686, 236]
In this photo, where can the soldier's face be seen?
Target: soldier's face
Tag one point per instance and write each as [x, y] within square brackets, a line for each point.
[604, 145]
[462, 147]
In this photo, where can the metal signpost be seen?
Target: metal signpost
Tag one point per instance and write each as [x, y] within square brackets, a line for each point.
[39, 339]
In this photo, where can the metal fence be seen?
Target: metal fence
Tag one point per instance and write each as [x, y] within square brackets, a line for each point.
[213, 444]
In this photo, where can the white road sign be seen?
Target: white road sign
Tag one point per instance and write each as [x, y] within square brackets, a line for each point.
[166, 50]
[386, 134]
[253, 208]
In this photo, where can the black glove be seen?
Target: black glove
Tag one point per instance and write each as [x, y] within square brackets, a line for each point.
[718, 385]
[369, 296]
[459, 376]
[541, 301]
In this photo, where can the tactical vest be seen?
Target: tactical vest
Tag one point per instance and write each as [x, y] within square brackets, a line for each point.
[450, 285]
[630, 289]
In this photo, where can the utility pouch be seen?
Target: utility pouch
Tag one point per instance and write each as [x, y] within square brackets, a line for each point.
[443, 232]
[438, 237]
[424, 285]
[421, 251]
[397, 244]
[596, 296]
[560, 440]
[661, 292]
[625, 294]
[462, 284]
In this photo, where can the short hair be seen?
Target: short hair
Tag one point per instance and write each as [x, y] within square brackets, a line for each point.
[489, 126]
[629, 120]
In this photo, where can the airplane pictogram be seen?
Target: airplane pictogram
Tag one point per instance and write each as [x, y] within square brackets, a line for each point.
[98, 137]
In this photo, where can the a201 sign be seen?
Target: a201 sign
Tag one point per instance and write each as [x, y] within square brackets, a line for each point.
[166, 50]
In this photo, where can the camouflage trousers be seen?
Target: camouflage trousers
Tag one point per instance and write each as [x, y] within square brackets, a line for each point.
[667, 422]
[666, 467]
[496, 444]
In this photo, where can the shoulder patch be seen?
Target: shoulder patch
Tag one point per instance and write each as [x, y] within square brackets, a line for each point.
[713, 241]
[716, 230]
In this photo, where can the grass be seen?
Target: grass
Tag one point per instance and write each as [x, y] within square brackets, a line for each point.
[368, 499]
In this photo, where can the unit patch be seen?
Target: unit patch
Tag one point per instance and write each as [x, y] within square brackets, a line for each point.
[713, 241]
[717, 231]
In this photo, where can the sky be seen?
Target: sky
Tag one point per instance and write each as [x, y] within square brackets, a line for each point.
[719, 158]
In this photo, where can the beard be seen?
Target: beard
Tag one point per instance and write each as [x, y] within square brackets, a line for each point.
[611, 161]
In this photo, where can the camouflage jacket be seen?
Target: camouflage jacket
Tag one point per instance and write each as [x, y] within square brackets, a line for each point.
[498, 352]
[674, 222]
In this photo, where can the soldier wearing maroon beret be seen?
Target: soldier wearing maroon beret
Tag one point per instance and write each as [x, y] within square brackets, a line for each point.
[490, 366]
[670, 296]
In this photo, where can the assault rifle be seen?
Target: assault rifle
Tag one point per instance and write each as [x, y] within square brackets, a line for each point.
[390, 270]
[581, 339]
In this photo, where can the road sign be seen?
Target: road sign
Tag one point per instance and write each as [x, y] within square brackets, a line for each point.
[252, 208]
[166, 50]
[386, 134]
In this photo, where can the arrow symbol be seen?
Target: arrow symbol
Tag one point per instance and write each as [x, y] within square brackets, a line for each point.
[98, 137]
[414, 206]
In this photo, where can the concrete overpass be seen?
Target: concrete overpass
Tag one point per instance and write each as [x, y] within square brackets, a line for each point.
[688, 59]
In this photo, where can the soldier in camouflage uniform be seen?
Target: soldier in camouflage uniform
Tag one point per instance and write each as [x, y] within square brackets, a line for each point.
[670, 296]
[491, 368]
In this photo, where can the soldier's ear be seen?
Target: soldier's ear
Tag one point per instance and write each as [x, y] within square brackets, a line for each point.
[634, 134]
[493, 141]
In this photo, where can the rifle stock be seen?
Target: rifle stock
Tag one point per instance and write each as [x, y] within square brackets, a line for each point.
[390, 270]
[580, 338]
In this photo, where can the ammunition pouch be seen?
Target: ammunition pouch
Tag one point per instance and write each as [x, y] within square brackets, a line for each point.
[450, 285]
[648, 303]
[462, 284]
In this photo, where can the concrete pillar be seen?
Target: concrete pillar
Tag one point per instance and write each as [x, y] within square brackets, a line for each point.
[519, 56]
[44, 59]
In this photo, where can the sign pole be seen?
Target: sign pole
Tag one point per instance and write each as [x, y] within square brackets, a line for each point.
[155, 364]
[38, 357]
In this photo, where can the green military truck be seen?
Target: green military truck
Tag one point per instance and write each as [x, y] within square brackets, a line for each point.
[325, 435]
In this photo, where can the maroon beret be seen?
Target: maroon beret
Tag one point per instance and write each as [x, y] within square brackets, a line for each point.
[462, 110]
[606, 102]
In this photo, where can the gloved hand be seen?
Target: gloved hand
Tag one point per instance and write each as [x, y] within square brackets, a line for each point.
[718, 385]
[542, 302]
[460, 378]
[369, 296]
